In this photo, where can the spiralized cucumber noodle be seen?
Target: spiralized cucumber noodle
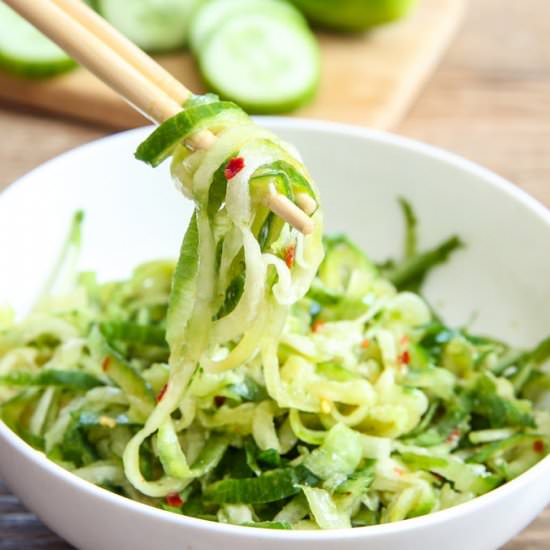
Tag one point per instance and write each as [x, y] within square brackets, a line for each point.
[221, 241]
[267, 378]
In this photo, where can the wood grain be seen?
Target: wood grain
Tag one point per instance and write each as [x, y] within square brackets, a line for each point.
[489, 101]
[369, 79]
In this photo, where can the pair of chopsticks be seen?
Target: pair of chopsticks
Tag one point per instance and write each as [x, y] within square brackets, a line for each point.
[139, 79]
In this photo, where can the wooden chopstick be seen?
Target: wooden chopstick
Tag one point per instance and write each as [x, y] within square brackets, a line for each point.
[98, 57]
[125, 48]
[136, 57]
[108, 54]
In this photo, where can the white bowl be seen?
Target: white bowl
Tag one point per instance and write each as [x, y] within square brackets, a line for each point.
[134, 214]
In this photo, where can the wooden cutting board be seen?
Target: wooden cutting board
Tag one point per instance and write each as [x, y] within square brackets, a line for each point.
[369, 79]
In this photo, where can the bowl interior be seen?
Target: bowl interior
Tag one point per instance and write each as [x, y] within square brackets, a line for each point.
[133, 213]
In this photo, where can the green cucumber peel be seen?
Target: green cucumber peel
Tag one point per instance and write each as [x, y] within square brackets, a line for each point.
[162, 142]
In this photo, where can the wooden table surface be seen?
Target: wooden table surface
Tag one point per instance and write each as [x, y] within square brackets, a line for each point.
[489, 101]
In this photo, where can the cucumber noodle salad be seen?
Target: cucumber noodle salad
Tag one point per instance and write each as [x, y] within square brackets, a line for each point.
[267, 378]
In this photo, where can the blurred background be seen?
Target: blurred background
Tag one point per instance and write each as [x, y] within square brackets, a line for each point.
[472, 77]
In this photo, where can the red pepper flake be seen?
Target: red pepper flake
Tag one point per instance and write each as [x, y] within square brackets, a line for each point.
[161, 393]
[405, 358]
[453, 436]
[365, 343]
[290, 254]
[106, 363]
[219, 400]
[538, 446]
[233, 167]
[317, 325]
[174, 500]
[399, 471]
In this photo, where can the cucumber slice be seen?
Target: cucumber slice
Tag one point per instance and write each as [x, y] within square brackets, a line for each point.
[154, 25]
[27, 52]
[162, 142]
[354, 15]
[215, 13]
[262, 62]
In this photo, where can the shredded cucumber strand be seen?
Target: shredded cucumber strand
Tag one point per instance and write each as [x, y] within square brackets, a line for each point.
[267, 367]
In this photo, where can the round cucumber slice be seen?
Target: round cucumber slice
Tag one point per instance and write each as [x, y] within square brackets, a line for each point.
[154, 25]
[27, 52]
[215, 13]
[262, 63]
